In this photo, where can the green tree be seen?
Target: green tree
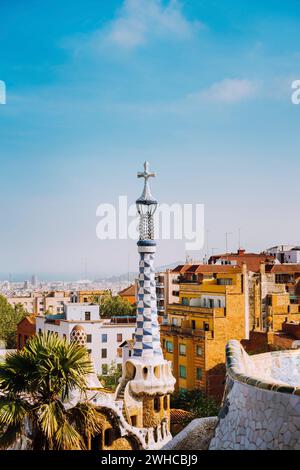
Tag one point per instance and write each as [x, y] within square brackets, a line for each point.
[116, 306]
[9, 318]
[111, 379]
[195, 401]
[35, 385]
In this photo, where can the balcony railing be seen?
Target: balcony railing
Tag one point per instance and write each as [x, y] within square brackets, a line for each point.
[200, 333]
[185, 309]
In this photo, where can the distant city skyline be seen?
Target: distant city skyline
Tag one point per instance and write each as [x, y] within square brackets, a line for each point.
[200, 89]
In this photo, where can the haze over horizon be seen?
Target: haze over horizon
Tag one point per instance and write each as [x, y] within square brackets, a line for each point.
[199, 89]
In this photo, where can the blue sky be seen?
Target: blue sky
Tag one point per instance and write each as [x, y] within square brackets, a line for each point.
[199, 88]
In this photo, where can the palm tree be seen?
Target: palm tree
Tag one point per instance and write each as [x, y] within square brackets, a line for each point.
[36, 386]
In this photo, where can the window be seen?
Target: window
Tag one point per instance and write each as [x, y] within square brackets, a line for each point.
[169, 346]
[87, 316]
[119, 337]
[156, 404]
[88, 338]
[104, 353]
[182, 372]
[198, 350]
[185, 301]
[104, 369]
[19, 341]
[108, 437]
[182, 349]
[119, 352]
[119, 367]
[193, 324]
[133, 420]
[199, 373]
[211, 303]
[85, 299]
[223, 281]
[89, 351]
[104, 338]
[40, 331]
[206, 326]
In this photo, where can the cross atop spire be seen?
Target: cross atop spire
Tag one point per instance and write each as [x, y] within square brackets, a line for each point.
[146, 173]
[146, 194]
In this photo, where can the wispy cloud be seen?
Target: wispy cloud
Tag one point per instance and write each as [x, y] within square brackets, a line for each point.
[137, 23]
[139, 20]
[227, 91]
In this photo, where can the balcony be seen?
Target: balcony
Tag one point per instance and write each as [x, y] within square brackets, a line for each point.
[201, 334]
[217, 312]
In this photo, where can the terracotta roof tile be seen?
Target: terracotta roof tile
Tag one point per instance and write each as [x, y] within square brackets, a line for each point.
[287, 268]
[178, 416]
[130, 290]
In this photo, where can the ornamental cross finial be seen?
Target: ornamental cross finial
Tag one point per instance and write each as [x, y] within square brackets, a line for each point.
[146, 196]
[146, 173]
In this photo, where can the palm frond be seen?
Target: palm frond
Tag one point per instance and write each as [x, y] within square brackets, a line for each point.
[13, 410]
[86, 419]
[67, 438]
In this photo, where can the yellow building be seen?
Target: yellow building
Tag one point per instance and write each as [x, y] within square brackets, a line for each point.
[212, 309]
[91, 295]
[280, 310]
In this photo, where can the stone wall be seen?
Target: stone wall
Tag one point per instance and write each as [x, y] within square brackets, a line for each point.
[195, 436]
[261, 404]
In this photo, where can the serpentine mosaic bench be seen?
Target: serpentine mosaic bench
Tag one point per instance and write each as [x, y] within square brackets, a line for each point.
[261, 404]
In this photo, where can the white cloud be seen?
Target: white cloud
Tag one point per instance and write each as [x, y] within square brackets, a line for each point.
[228, 91]
[139, 21]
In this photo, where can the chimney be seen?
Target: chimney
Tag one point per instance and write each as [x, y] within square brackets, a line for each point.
[241, 251]
[262, 267]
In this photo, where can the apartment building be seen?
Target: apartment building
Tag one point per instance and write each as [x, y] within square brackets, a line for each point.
[103, 336]
[213, 308]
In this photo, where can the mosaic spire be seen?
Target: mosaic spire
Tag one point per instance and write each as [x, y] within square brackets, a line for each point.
[147, 336]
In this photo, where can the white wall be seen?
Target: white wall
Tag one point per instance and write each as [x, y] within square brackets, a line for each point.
[76, 312]
[203, 301]
[96, 330]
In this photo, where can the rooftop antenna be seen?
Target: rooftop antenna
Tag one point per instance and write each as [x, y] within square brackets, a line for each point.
[226, 237]
[207, 232]
[239, 230]
[188, 259]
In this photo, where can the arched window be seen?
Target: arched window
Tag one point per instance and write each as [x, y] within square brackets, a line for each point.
[156, 404]
[108, 437]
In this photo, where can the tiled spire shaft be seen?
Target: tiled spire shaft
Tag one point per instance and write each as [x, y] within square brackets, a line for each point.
[147, 336]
